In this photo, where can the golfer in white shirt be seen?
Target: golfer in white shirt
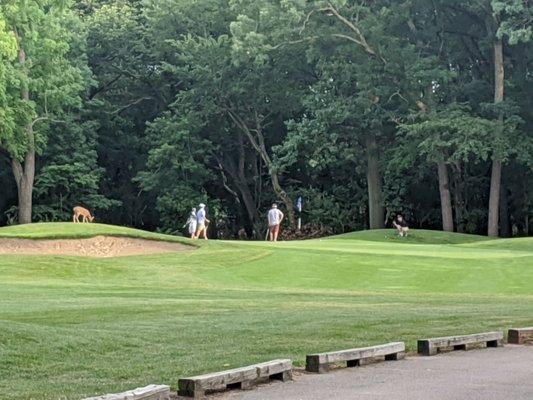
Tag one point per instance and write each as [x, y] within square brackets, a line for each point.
[275, 217]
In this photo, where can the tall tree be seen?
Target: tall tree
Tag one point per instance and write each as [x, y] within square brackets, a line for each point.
[447, 137]
[42, 84]
[8, 52]
[512, 18]
[499, 92]
[244, 97]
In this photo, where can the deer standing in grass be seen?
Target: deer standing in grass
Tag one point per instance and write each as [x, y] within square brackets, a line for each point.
[81, 212]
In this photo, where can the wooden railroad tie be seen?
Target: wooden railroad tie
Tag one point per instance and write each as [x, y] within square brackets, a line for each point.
[150, 392]
[319, 363]
[242, 378]
[520, 335]
[430, 347]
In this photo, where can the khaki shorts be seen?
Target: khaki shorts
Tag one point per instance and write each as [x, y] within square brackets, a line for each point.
[274, 229]
[200, 228]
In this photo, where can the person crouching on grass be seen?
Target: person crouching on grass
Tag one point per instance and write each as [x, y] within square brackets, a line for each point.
[275, 217]
[202, 222]
[400, 224]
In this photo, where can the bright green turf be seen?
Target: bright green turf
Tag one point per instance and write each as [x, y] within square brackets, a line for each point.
[73, 327]
[67, 230]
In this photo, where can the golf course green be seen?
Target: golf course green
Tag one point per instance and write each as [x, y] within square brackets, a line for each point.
[73, 327]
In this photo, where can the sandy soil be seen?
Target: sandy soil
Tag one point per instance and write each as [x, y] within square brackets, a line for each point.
[99, 246]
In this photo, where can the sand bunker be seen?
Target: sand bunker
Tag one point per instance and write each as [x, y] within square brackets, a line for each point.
[99, 246]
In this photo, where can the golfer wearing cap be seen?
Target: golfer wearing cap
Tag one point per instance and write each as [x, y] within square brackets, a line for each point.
[275, 217]
[201, 222]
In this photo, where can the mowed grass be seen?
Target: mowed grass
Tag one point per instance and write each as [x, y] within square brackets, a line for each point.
[67, 230]
[71, 327]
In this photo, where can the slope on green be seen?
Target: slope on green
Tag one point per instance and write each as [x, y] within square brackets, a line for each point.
[524, 243]
[72, 327]
[416, 236]
[69, 230]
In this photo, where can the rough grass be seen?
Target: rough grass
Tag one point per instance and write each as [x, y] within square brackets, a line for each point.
[72, 327]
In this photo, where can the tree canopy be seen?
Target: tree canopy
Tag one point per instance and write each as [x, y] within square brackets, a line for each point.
[140, 110]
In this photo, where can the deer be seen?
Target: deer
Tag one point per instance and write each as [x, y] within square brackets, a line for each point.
[78, 212]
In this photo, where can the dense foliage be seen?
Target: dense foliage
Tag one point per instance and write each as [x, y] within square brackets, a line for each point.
[141, 109]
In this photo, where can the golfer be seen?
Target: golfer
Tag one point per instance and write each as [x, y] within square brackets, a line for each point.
[191, 223]
[275, 217]
[201, 221]
[401, 225]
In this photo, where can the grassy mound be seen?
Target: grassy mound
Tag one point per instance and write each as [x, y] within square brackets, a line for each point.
[71, 327]
[416, 236]
[69, 230]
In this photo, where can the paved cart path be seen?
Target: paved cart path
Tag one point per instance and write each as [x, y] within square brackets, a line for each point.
[485, 374]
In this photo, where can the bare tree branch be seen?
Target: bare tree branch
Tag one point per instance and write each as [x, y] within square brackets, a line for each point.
[291, 42]
[225, 182]
[133, 103]
[104, 86]
[45, 118]
[348, 37]
[308, 16]
[359, 37]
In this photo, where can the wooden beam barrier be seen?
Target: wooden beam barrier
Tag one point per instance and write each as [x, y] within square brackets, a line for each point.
[520, 335]
[319, 363]
[242, 378]
[430, 347]
[150, 392]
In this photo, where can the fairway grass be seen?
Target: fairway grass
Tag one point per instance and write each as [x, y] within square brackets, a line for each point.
[71, 327]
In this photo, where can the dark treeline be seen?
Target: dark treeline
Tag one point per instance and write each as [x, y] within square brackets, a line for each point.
[141, 109]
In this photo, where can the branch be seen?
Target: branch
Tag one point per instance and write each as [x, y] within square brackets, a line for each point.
[225, 182]
[359, 39]
[454, 32]
[291, 42]
[259, 132]
[104, 86]
[40, 119]
[126, 72]
[348, 37]
[242, 125]
[308, 16]
[133, 103]
[397, 93]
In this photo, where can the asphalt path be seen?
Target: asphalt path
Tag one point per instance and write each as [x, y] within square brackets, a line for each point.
[504, 373]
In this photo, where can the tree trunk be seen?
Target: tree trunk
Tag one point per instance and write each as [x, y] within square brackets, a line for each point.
[505, 221]
[237, 171]
[373, 176]
[24, 177]
[249, 203]
[445, 197]
[242, 184]
[460, 209]
[257, 140]
[496, 174]
[494, 199]
[459, 196]
[24, 172]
